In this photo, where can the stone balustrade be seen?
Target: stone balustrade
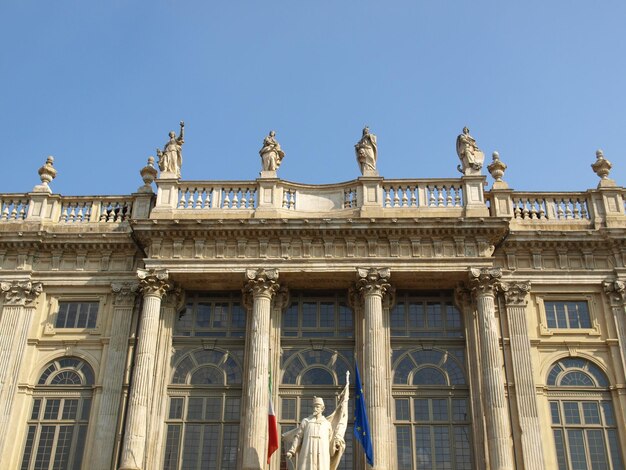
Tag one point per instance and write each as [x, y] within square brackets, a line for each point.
[365, 197]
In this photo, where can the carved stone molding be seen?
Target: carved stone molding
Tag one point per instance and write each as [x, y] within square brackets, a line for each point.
[282, 298]
[261, 282]
[22, 293]
[153, 282]
[615, 291]
[174, 298]
[124, 293]
[373, 281]
[483, 280]
[515, 293]
[462, 297]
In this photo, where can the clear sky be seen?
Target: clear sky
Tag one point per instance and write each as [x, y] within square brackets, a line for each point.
[98, 85]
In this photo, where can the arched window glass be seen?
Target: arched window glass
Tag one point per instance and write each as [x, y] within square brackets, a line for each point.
[583, 421]
[59, 417]
[432, 407]
[204, 408]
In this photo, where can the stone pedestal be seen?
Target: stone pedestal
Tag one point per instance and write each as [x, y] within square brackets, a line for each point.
[497, 419]
[153, 285]
[19, 301]
[372, 285]
[260, 289]
[515, 296]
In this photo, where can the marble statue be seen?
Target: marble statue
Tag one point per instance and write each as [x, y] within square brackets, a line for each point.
[319, 441]
[366, 153]
[471, 156]
[271, 153]
[171, 158]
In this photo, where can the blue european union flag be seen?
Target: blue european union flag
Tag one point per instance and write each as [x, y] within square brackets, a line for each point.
[361, 425]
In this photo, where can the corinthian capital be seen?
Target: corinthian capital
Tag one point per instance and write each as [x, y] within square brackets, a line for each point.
[515, 293]
[616, 292]
[373, 280]
[153, 282]
[23, 293]
[261, 282]
[483, 280]
[124, 293]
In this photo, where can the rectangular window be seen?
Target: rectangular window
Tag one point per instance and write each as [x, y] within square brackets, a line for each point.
[561, 314]
[77, 315]
[425, 317]
[212, 315]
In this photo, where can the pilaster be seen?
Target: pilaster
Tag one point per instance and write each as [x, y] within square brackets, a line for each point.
[615, 291]
[499, 445]
[261, 286]
[19, 301]
[516, 299]
[153, 284]
[373, 285]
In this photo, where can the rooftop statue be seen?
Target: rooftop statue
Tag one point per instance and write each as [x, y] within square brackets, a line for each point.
[271, 153]
[319, 441]
[471, 156]
[171, 158]
[366, 153]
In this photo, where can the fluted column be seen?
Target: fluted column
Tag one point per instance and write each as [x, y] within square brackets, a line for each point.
[124, 296]
[616, 293]
[373, 284]
[261, 286]
[516, 299]
[19, 300]
[153, 286]
[482, 282]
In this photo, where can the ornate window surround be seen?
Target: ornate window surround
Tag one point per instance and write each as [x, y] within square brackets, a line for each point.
[592, 305]
[52, 309]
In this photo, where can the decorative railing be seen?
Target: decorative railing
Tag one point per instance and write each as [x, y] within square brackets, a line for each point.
[228, 195]
[106, 209]
[13, 207]
[551, 207]
[425, 193]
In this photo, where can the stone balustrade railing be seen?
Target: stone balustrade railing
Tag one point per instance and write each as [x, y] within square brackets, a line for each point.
[370, 197]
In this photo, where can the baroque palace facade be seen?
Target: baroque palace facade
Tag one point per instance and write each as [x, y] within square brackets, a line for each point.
[143, 331]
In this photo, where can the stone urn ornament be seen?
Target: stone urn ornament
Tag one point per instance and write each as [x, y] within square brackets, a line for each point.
[46, 173]
[602, 168]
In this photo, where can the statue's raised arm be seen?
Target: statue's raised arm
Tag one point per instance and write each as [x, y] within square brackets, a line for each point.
[181, 136]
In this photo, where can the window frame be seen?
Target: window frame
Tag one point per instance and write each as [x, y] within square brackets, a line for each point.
[590, 299]
[53, 310]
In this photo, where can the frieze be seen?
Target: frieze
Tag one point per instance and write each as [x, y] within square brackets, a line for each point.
[20, 293]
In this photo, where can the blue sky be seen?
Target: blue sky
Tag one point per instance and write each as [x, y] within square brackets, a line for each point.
[99, 85]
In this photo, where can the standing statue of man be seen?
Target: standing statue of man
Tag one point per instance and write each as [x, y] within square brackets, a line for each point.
[271, 153]
[366, 153]
[471, 156]
[319, 441]
[171, 158]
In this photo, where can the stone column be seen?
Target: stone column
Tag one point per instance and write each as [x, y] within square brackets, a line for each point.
[516, 299]
[153, 286]
[20, 298]
[373, 284]
[261, 286]
[498, 423]
[616, 293]
[124, 296]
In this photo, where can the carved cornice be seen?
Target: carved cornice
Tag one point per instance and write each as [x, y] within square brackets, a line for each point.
[373, 281]
[124, 293]
[153, 282]
[515, 293]
[615, 291]
[261, 283]
[20, 293]
[483, 281]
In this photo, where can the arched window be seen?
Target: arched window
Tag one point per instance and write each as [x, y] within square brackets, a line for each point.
[59, 417]
[583, 419]
[431, 395]
[204, 407]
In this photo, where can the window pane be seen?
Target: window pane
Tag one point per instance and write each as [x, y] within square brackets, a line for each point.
[597, 449]
[171, 447]
[560, 449]
[554, 410]
[440, 409]
[405, 450]
[176, 408]
[402, 409]
[614, 449]
[576, 449]
[423, 447]
[230, 442]
[571, 412]
[459, 410]
[421, 410]
[591, 413]
[462, 448]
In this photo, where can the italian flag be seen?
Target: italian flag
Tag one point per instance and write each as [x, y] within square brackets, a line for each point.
[272, 426]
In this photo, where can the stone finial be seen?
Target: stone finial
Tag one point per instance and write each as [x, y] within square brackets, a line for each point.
[366, 151]
[497, 168]
[602, 168]
[46, 173]
[148, 174]
[471, 156]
